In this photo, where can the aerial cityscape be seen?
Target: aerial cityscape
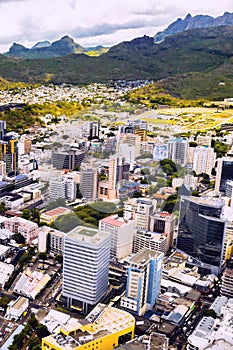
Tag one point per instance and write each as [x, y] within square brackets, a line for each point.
[116, 176]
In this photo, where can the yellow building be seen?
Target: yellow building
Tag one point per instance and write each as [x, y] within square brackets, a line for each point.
[103, 329]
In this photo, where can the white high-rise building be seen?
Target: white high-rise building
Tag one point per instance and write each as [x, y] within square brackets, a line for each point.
[121, 233]
[178, 151]
[86, 266]
[88, 182]
[145, 208]
[204, 160]
[62, 187]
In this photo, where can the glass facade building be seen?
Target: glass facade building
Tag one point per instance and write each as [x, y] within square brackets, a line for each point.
[201, 232]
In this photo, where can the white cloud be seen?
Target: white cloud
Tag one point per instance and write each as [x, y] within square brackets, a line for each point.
[94, 21]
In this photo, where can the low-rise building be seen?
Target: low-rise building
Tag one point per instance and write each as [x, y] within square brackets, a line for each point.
[31, 283]
[214, 333]
[6, 271]
[102, 329]
[52, 215]
[151, 240]
[28, 229]
[17, 307]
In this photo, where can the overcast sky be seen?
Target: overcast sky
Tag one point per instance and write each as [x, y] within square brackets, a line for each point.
[94, 22]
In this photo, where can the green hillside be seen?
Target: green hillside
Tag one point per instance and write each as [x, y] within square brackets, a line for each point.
[188, 65]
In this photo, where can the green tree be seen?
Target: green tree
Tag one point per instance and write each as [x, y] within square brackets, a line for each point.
[42, 331]
[19, 238]
[42, 256]
[26, 214]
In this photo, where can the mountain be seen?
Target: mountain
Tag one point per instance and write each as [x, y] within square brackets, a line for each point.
[45, 49]
[199, 21]
[41, 44]
[190, 64]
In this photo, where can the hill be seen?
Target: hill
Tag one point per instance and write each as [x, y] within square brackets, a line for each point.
[190, 64]
[189, 22]
[45, 49]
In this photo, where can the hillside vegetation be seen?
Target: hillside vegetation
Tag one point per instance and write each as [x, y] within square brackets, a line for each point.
[187, 65]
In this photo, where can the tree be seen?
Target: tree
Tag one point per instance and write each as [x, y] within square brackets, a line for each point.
[59, 258]
[26, 214]
[42, 256]
[3, 208]
[42, 331]
[33, 321]
[19, 238]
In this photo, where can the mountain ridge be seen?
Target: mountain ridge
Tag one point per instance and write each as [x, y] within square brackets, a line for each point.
[193, 22]
[200, 58]
[61, 47]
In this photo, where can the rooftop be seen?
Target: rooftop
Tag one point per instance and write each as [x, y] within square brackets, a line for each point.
[144, 255]
[56, 211]
[87, 234]
[114, 220]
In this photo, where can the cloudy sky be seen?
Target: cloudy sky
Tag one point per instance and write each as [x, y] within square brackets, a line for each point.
[94, 22]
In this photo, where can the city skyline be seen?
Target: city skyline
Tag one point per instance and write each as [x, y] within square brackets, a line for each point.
[28, 22]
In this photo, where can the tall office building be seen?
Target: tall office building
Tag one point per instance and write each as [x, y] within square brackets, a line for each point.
[201, 232]
[178, 151]
[62, 187]
[93, 130]
[2, 129]
[143, 281]
[145, 208]
[88, 182]
[86, 266]
[121, 232]
[224, 172]
[117, 170]
[204, 160]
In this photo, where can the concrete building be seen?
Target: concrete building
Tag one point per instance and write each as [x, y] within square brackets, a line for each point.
[145, 208]
[28, 229]
[121, 232]
[177, 182]
[164, 223]
[6, 271]
[17, 307]
[86, 266]
[191, 181]
[143, 281]
[224, 172]
[62, 187]
[204, 140]
[56, 241]
[201, 232]
[227, 283]
[2, 168]
[117, 170]
[178, 151]
[104, 329]
[229, 192]
[31, 283]
[52, 215]
[204, 160]
[214, 334]
[42, 238]
[160, 152]
[150, 240]
[89, 182]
